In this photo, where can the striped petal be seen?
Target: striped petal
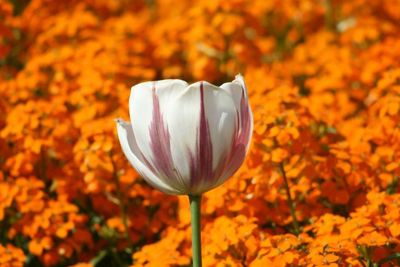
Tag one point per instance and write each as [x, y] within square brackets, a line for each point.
[238, 90]
[137, 160]
[148, 103]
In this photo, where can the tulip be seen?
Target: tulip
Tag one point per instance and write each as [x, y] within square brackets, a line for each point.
[187, 139]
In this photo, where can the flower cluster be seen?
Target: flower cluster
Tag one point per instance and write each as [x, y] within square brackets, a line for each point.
[320, 186]
[11, 256]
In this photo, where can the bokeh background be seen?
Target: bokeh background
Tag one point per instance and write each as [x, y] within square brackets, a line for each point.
[324, 85]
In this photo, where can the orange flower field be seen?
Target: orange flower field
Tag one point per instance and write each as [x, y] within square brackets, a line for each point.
[320, 185]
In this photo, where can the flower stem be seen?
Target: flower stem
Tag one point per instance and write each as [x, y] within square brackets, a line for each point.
[195, 205]
[291, 203]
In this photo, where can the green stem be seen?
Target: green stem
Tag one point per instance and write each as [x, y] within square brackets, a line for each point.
[195, 205]
[290, 201]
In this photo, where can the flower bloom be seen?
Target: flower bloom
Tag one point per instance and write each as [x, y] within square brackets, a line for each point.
[187, 139]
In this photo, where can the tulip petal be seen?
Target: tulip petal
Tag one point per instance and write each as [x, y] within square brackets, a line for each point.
[138, 160]
[208, 114]
[241, 141]
[148, 102]
[182, 117]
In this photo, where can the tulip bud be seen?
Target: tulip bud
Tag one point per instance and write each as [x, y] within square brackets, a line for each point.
[187, 139]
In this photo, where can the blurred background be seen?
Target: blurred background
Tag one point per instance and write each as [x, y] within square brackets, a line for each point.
[324, 84]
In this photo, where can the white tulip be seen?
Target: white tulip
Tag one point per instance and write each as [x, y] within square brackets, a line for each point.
[187, 139]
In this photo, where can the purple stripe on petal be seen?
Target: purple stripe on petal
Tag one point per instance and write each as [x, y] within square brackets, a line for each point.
[205, 143]
[201, 163]
[241, 138]
[160, 141]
